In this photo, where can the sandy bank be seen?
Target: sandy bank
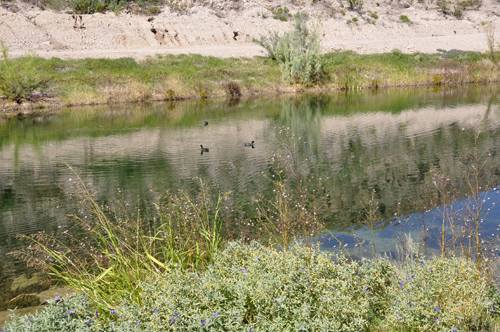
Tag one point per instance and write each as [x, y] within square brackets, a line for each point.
[226, 29]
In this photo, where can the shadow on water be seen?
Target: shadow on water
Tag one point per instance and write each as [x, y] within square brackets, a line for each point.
[387, 142]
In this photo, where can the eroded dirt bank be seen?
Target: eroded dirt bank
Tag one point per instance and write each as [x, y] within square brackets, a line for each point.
[225, 28]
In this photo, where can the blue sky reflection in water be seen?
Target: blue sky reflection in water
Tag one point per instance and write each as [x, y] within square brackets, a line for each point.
[387, 234]
[383, 141]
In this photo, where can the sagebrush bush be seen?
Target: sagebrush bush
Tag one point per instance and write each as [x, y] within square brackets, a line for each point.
[259, 287]
[250, 287]
[440, 295]
[297, 53]
[73, 313]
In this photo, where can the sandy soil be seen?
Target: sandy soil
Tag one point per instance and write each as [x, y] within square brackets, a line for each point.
[225, 28]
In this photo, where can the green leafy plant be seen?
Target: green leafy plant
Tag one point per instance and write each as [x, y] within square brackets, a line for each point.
[154, 10]
[298, 53]
[74, 313]
[396, 52]
[180, 6]
[442, 294]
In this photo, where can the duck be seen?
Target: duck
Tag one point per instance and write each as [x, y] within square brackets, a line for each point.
[249, 144]
[205, 123]
[203, 149]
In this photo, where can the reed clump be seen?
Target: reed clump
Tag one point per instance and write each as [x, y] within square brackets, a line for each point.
[109, 250]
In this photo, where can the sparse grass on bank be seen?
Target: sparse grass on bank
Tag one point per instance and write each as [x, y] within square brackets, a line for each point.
[171, 77]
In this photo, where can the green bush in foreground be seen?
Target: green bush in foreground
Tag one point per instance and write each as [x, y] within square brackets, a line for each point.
[70, 314]
[254, 288]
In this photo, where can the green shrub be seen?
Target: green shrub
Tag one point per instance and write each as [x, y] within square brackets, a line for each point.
[262, 288]
[250, 287]
[282, 14]
[153, 10]
[180, 6]
[437, 80]
[396, 52]
[457, 8]
[439, 296]
[19, 78]
[373, 15]
[87, 6]
[298, 53]
[73, 313]
[404, 19]
[355, 4]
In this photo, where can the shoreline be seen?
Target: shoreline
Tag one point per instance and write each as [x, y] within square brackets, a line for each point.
[67, 83]
[27, 111]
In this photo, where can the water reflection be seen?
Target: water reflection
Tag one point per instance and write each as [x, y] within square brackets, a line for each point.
[388, 142]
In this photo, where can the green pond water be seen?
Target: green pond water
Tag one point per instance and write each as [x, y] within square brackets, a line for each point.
[387, 141]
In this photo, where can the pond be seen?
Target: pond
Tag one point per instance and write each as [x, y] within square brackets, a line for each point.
[383, 142]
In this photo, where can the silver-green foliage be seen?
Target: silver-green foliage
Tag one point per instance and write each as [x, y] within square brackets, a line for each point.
[440, 295]
[251, 286]
[71, 314]
[298, 53]
[255, 288]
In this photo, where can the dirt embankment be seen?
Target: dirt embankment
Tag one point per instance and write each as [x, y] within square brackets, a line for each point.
[225, 28]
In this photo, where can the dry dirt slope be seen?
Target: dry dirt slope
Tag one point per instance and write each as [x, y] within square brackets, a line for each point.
[226, 27]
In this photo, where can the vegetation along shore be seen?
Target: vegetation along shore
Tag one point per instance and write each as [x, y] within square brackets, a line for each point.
[295, 63]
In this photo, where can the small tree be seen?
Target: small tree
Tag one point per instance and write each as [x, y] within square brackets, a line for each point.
[298, 53]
